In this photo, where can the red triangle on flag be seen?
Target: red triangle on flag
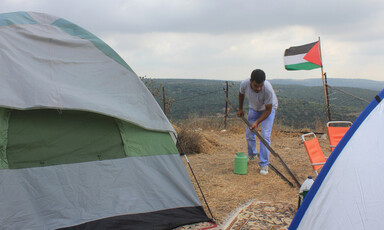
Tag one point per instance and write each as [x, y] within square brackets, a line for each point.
[313, 55]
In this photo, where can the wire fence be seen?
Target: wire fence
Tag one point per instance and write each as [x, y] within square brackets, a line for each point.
[298, 106]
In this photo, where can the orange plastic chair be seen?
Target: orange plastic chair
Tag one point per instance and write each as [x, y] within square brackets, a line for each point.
[314, 151]
[336, 130]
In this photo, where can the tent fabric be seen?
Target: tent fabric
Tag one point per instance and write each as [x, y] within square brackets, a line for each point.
[69, 168]
[40, 138]
[16, 18]
[347, 194]
[60, 65]
[55, 197]
[141, 142]
[83, 143]
[180, 216]
[4, 118]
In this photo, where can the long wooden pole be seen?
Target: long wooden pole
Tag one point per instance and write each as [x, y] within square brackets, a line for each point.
[326, 91]
[226, 105]
[324, 84]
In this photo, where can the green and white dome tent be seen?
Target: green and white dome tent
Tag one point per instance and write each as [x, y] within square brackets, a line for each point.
[83, 143]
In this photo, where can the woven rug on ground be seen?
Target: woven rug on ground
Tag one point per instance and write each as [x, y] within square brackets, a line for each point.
[263, 215]
[199, 226]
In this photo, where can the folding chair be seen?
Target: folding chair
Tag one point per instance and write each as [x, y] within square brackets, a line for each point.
[336, 130]
[314, 151]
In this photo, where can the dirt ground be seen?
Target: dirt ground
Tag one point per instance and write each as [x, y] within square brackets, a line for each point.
[226, 191]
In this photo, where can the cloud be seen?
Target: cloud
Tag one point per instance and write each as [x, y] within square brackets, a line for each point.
[222, 56]
[226, 39]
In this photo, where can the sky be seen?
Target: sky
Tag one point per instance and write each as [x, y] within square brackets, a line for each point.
[227, 39]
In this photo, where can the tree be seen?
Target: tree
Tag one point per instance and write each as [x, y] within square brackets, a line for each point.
[157, 90]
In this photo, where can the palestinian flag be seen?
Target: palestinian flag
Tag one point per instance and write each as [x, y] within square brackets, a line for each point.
[305, 57]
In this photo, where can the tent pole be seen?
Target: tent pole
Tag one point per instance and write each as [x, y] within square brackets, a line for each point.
[194, 176]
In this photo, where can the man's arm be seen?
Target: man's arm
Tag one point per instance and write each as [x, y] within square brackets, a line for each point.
[240, 113]
[267, 112]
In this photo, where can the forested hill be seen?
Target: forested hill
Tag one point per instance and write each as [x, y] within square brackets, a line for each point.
[336, 82]
[299, 106]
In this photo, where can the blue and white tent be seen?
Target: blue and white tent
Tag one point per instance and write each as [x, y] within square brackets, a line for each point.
[83, 143]
[348, 193]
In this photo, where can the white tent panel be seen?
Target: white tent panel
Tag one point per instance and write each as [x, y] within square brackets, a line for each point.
[45, 67]
[351, 194]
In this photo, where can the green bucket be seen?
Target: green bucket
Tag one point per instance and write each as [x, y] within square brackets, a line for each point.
[240, 164]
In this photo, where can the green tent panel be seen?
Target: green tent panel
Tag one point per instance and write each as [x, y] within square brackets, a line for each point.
[40, 138]
[4, 118]
[141, 142]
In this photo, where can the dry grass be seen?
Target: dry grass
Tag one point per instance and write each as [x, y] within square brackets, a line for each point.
[190, 134]
[189, 140]
[226, 191]
[193, 141]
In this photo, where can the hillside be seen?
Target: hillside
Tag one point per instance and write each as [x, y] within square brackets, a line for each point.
[337, 82]
[299, 106]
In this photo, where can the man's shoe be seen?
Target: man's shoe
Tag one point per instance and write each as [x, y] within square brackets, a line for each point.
[251, 158]
[264, 170]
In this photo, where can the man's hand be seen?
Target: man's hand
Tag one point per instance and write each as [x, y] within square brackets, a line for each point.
[254, 126]
[240, 113]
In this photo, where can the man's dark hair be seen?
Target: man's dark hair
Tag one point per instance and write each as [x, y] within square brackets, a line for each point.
[258, 75]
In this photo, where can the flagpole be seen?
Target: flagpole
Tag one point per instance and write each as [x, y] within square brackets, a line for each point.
[323, 77]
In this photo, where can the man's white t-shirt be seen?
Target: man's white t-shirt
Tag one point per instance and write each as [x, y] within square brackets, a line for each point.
[257, 101]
